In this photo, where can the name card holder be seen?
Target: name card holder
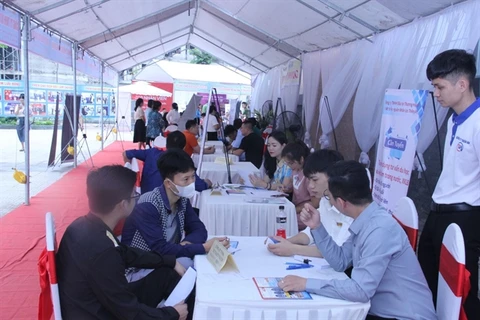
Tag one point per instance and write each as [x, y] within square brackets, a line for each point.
[221, 259]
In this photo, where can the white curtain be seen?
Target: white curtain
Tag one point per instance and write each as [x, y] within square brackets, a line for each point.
[311, 88]
[257, 84]
[342, 68]
[456, 27]
[384, 68]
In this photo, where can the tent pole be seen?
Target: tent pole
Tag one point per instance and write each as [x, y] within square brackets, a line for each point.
[75, 107]
[101, 106]
[26, 75]
[117, 100]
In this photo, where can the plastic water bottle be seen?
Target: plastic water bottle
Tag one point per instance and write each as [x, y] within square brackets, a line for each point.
[281, 222]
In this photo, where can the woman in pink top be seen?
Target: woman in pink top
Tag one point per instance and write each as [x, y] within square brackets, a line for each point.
[294, 154]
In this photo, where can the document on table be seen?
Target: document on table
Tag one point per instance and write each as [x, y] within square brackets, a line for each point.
[268, 289]
[183, 289]
[244, 175]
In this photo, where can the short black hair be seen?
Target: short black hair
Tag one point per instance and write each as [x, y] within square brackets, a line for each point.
[190, 123]
[213, 108]
[320, 161]
[174, 161]
[349, 181]
[176, 140]
[229, 129]
[249, 124]
[237, 123]
[108, 186]
[452, 64]
[22, 96]
[253, 120]
[138, 103]
[156, 105]
[295, 151]
[150, 103]
[175, 106]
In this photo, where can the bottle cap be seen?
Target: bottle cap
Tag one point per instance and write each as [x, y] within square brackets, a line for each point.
[281, 208]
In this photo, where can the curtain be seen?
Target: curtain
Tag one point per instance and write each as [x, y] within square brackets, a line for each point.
[342, 68]
[311, 87]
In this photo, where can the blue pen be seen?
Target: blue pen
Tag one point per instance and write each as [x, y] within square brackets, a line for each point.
[299, 267]
[296, 264]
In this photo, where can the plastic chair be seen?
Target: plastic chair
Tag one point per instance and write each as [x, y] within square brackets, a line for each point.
[49, 301]
[406, 214]
[453, 278]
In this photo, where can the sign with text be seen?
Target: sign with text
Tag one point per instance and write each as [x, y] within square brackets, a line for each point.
[401, 123]
[50, 46]
[291, 73]
[10, 28]
[220, 258]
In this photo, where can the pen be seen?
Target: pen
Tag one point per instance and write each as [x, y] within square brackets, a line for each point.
[298, 267]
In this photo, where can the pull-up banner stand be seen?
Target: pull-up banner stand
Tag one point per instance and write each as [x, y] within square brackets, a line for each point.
[401, 123]
[68, 127]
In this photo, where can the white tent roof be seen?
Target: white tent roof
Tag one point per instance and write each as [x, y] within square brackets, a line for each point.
[251, 35]
[193, 72]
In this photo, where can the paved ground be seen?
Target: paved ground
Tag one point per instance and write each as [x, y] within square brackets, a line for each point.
[12, 194]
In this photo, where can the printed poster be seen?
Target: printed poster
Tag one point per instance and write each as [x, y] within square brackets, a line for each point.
[401, 123]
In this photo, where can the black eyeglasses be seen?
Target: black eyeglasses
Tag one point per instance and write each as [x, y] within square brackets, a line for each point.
[325, 194]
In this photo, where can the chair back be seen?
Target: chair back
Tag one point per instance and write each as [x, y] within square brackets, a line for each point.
[135, 167]
[453, 278]
[49, 296]
[407, 216]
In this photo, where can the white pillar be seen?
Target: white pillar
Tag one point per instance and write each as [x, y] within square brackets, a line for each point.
[75, 107]
[101, 112]
[26, 82]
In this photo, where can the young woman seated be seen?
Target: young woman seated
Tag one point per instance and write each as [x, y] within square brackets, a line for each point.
[278, 173]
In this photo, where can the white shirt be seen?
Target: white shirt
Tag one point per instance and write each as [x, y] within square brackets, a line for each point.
[212, 121]
[335, 223]
[460, 178]
[173, 116]
[147, 112]
[139, 114]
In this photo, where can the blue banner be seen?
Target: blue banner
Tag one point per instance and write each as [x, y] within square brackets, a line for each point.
[50, 46]
[10, 28]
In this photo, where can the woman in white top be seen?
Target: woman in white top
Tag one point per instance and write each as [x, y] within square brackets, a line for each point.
[140, 131]
[173, 116]
[212, 124]
[20, 113]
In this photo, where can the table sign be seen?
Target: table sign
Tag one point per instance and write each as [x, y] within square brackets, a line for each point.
[220, 258]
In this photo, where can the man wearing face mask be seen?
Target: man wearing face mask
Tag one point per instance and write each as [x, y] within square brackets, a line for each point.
[163, 220]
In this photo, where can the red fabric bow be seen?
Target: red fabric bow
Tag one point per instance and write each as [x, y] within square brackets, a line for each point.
[456, 276]
[412, 234]
[47, 275]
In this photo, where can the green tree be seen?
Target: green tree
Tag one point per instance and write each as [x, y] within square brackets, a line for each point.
[200, 57]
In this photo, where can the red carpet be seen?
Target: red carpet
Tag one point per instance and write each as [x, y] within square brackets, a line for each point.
[22, 234]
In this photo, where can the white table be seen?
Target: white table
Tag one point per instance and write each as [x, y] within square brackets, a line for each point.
[235, 297]
[232, 215]
[213, 156]
[217, 172]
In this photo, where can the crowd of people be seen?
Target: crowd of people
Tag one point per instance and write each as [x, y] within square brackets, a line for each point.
[102, 277]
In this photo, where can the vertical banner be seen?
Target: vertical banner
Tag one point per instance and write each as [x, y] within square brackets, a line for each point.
[401, 123]
[290, 84]
[10, 28]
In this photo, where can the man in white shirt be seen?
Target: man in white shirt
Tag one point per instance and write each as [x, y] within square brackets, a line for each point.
[335, 223]
[456, 198]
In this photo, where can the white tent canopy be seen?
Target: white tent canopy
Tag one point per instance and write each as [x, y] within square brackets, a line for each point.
[142, 87]
[192, 72]
[253, 36]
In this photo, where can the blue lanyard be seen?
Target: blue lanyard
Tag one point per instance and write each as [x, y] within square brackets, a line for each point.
[458, 119]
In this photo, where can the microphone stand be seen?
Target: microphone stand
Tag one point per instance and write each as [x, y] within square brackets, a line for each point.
[222, 134]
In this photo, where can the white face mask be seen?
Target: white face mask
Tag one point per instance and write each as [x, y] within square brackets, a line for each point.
[185, 192]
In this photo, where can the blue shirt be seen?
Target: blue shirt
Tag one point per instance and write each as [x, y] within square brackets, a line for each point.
[151, 177]
[146, 228]
[385, 268]
[155, 124]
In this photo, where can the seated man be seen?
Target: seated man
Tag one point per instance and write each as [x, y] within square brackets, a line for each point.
[91, 262]
[385, 271]
[191, 134]
[335, 223]
[163, 219]
[230, 134]
[151, 177]
[252, 145]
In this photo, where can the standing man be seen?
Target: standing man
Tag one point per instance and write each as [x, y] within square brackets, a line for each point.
[456, 198]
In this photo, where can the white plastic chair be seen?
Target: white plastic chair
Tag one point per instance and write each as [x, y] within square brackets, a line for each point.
[406, 214]
[453, 278]
[51, 250]
[135, 167]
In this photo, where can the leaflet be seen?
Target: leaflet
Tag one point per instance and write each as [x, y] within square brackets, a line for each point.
[268, 289]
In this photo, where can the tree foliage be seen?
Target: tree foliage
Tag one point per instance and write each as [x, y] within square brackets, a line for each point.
[200, 57]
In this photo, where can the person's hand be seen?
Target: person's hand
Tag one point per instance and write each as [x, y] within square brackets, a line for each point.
[282, 189]
[183, 243]
[242, 182]
[180, 269]
[310, 216]
[283, 248]
[257, 182]
[223, 240]
[182, 310]
[208, 182]
[293, 283]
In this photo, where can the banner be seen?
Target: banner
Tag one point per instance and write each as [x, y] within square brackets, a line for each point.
[88, 65]
[401, 123]
[291, 73]
[50, 46]
[10, 28]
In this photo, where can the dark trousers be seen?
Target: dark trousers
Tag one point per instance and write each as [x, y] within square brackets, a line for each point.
[430, 245]
[372, 317]
[157, 286]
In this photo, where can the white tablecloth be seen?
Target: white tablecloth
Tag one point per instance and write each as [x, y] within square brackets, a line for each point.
[217, 172]
[235, 297]
[232, 215]
[211, 157]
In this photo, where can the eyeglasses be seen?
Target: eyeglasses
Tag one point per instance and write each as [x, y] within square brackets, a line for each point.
[325, 194]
